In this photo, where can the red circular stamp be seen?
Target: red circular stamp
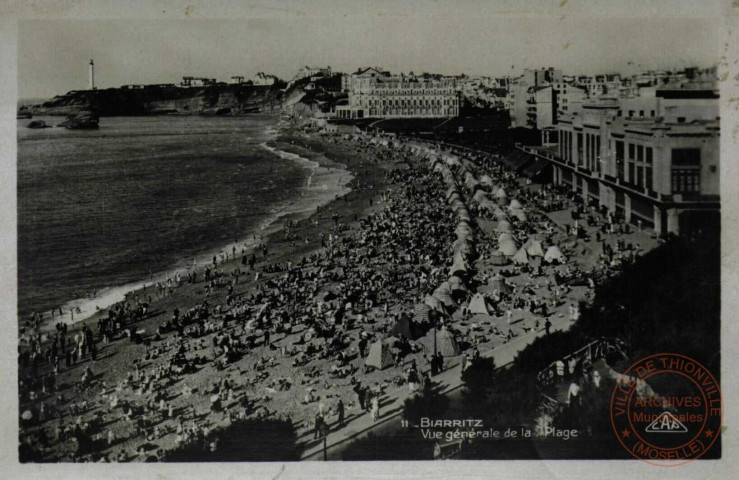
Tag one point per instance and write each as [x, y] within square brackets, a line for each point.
[666, 409]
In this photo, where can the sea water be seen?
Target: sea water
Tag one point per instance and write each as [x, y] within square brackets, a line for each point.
[101, 212]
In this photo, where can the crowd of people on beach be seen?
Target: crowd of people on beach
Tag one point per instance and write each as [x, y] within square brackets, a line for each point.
[457, 256]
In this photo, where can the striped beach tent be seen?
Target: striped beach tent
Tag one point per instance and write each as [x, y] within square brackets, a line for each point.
[421, 313]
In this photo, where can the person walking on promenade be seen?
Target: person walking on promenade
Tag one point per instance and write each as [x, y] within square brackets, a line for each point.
[317, 426]
[340, 409]
[375, 407]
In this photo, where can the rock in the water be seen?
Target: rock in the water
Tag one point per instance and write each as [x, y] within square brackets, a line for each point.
[37, 124]
[81, 121]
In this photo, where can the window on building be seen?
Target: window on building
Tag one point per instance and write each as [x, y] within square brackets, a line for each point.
[649, 181]
[683, 157]
[639, 153]
[630, 178]
[680, 119]
[685, 180]
[569, 147]
[686, 170]
[620, 159]
[649, 155]
[579, 149]
[641, 113]
[631, 151]
[651, 113]
[639, 176]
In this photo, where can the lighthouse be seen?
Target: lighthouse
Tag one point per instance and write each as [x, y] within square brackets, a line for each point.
[92, 75]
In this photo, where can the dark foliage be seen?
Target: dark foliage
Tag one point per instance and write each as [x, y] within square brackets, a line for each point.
[250, 440]
[428, 403]
[478, 380]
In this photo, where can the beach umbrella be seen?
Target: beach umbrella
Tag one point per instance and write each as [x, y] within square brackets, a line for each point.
[501, 193]
[486, 180]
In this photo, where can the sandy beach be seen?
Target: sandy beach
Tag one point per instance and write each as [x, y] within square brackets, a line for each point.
[259, 334]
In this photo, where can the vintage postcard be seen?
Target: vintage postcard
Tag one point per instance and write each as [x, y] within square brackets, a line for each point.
[289, 237]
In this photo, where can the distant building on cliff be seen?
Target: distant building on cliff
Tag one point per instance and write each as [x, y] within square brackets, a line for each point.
[264, 79]
[188, 82]
[307, 71]
[376, 93]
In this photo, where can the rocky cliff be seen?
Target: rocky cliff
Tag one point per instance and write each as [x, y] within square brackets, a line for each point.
[165, 99]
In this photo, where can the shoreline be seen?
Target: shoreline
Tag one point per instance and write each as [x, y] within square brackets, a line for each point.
[319, 166]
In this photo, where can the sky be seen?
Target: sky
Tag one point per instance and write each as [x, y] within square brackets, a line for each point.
[53, 54]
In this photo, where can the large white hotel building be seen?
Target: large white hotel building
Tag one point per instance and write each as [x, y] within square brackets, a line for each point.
[374, 93]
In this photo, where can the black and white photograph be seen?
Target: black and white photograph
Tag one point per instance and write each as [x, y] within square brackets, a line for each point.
[371, 231]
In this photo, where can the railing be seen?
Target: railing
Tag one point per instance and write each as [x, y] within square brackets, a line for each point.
[593, 351]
